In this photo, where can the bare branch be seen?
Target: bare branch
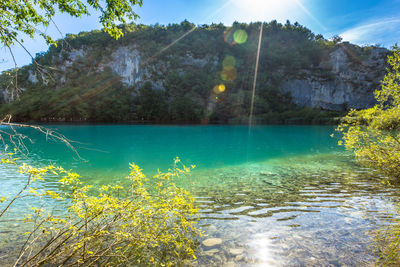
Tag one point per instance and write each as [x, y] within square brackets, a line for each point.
[17, 139]
[16, 197]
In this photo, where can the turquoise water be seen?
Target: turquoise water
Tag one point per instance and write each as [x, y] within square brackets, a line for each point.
[109, 148]
[274, 195]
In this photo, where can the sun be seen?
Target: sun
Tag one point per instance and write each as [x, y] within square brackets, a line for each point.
[265, 5]
[264, 10]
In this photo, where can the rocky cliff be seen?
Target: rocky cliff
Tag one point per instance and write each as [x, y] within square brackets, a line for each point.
[351, 82]
[207, 73]
[344, 81]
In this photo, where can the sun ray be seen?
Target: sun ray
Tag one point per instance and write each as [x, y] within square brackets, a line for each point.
[226, 3]
[255, 75]
[169, 45]
[298, 2]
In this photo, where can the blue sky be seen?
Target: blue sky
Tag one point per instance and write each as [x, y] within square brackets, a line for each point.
[358, 21]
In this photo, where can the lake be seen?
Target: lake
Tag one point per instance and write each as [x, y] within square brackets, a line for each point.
[274, 195]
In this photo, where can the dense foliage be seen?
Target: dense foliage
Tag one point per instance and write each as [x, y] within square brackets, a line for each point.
[19, 17]
[180, 81]
[373, 134]
[95, 97]
[142, 222]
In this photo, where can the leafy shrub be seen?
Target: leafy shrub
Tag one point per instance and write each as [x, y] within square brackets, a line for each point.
[373, 134]
[141, 222]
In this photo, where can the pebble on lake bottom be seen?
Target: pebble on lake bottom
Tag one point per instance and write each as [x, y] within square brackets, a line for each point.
[236, 251]
[211, 242]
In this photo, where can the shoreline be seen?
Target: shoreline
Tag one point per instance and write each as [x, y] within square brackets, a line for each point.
[152, 123]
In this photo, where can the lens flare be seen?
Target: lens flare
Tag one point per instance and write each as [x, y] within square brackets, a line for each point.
[240, 36]
[229, 73]
[229, 61]
[228, 36]
[220, 88]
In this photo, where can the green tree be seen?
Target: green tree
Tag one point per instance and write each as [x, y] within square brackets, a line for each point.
[93, 97]
[337, 39]
[24, 17]
[183, 109]
[151, 105]
[373, 134]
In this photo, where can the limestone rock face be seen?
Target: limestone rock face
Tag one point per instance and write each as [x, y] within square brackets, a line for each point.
[32, 77]
[74, 55]
[125, 62]
[341, 80]
[346, 81]
[330, 95]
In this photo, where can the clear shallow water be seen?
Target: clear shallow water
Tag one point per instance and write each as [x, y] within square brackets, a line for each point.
[279, 195]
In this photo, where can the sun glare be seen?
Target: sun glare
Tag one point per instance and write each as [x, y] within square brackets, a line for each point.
[265, 10]
[262, 5]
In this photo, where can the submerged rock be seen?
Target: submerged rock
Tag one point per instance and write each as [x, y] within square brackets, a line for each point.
[211, 252]
[239, 257]
[236, 251]
[211, 229]
[211, 242]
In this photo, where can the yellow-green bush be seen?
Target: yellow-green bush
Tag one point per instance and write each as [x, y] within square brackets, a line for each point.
[143, 222]
[373, 134]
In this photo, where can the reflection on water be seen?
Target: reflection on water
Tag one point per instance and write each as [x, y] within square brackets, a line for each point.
[298, 201]
[306, 210]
